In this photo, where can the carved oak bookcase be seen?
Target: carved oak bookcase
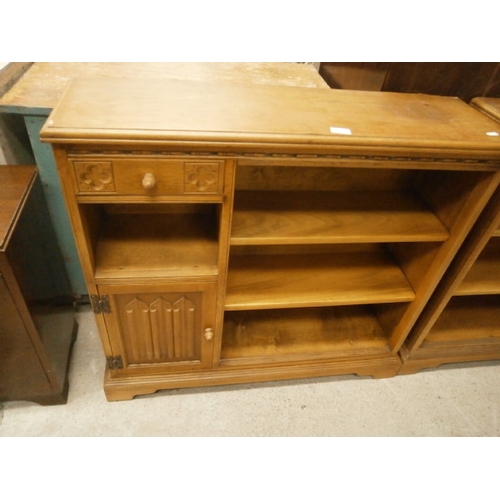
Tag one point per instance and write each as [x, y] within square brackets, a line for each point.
[462, 320]
[237, 233]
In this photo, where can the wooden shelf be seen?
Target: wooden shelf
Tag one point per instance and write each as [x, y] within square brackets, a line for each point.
[484, 275]
[156, 246]
[277, 281]
[294, 334]
[296, 217]
[464, 319]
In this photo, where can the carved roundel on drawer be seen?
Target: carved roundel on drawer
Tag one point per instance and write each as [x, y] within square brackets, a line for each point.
[94, 176]
[202, 177]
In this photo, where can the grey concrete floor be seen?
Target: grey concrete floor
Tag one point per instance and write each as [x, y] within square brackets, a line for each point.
[455, 400]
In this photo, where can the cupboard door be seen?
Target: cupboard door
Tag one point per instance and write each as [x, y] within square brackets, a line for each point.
[159, 327]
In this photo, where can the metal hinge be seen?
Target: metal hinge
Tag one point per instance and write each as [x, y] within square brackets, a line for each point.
[100, 304]
[114, 362]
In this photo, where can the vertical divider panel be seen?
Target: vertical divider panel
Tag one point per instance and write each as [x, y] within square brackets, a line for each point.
[226, 211]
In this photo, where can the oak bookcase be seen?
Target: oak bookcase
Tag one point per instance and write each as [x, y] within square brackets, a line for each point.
[462, 320]
[236, 233]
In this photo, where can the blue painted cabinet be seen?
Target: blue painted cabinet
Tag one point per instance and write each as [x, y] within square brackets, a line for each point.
[34, 119]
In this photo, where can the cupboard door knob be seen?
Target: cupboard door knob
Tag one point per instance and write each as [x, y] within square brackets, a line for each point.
[149, 181]
[209, 333]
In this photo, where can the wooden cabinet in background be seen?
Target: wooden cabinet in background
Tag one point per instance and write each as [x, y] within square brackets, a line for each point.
[459, 79]
[37, 325]
[268, 232]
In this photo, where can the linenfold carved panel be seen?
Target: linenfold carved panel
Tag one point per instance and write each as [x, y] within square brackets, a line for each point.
[94, 176]
[160, 331]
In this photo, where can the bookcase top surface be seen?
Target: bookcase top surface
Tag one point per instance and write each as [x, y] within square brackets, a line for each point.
[239, 114]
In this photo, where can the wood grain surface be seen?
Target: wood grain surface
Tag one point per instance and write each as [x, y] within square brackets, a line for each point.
[44, 83]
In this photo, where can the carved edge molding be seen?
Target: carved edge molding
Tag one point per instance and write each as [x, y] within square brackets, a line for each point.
[385, 158]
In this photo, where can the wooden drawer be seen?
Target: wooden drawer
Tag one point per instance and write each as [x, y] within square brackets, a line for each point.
[147, 176]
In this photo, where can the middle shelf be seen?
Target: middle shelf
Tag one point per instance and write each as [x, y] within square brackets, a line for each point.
[345, 274]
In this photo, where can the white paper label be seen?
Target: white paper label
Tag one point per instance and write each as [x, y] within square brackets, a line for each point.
[340, 130]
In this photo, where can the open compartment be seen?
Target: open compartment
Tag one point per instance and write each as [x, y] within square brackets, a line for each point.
[343, 238]
[279, 204]
[466, 320]
[283, 335]
[152, 240]
[295, 205]
[268, 277]
[484, 275]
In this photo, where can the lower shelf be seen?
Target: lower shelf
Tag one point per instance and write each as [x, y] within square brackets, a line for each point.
[256, 337]
[467, 330]
[467, 319]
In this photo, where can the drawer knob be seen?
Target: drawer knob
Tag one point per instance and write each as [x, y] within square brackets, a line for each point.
[149, 181]
[209, 334]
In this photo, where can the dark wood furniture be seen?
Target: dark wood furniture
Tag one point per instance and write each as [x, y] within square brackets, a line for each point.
[237, 233]
[37, 324]
[459, 79]
[490, 106]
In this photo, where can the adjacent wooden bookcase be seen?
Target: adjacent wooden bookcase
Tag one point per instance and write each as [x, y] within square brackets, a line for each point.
[236, 233]
[462, 320]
